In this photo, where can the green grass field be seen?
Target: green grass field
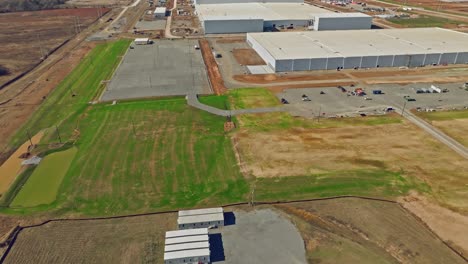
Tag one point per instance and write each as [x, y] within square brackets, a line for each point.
[443, 115]
[424, 21]
[43, 185]
[245, 98]
[372, 183]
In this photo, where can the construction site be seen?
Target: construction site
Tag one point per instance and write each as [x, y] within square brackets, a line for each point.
[279, 130]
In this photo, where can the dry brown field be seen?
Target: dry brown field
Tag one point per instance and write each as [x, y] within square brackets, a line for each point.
[126, 240]
[304, 148]
[364, 231]
[26, 37]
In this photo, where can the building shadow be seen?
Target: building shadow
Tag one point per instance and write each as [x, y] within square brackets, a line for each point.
[216, 248]
[229, 218]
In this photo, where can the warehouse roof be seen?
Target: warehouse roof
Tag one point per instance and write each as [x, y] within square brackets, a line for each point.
[201, 211]
[200, 218]
[187, 232]
[187, 246]
[186, 254]
[266, 11]
[186, 239]
[356, 43]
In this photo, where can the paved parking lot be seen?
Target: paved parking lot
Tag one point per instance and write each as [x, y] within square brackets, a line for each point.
[165, 68]
[337, 103]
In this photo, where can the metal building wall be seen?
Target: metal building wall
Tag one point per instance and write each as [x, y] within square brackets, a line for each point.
[448, 58]
[261, 51]
[352, 62]
[232, 26]
[385, 61]
[296, 23]
[318, 64]
[342, 23]
[462, 58]
[333, 63]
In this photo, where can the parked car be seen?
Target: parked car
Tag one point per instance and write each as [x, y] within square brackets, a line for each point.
[305, 98]
[322, 92]
[284, 101]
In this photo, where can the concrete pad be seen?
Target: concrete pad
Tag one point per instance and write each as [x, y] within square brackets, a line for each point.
[261, 236]
[260, 69]
[151, 25]
[165, 68]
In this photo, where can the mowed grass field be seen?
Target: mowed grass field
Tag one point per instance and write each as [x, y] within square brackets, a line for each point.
[42, 186]
[151, 155]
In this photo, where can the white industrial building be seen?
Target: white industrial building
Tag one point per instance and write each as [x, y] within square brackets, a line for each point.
[201, 218]
[159, 12]
[187, 246]
[258, 16]
[320, 50]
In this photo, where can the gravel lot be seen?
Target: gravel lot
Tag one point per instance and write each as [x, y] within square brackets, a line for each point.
[165, 68]
[261, 236]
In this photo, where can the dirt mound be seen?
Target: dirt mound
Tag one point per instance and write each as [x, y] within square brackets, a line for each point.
[269, 78]
[216, 80]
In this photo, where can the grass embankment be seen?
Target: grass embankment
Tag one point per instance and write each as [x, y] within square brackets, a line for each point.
[425, 21]
[63, 109]
[453, 123]
[42, 187]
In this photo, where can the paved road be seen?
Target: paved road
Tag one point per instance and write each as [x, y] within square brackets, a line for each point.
[436, 133]
[192, 99]
[167, 32]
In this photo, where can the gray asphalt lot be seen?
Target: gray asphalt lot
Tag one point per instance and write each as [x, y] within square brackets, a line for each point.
[261, 236]
[337, 103]
[165, 68]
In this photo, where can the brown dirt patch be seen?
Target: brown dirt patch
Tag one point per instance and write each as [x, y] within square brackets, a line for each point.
[281, 88]
[400, 147]
[364, 231]
[25, 37]
[12, 166]
[247, 57]
[277, 78]
[216, 80]
[448, 225]
[231, 40]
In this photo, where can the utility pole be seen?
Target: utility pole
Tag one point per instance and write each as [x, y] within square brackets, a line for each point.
[319, 114]
[40, 47]
[403, 110]
[58, 134]
[29, 137]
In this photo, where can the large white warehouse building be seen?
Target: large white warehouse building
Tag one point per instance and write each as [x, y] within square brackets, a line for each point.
[311, 50]
[240, 16]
